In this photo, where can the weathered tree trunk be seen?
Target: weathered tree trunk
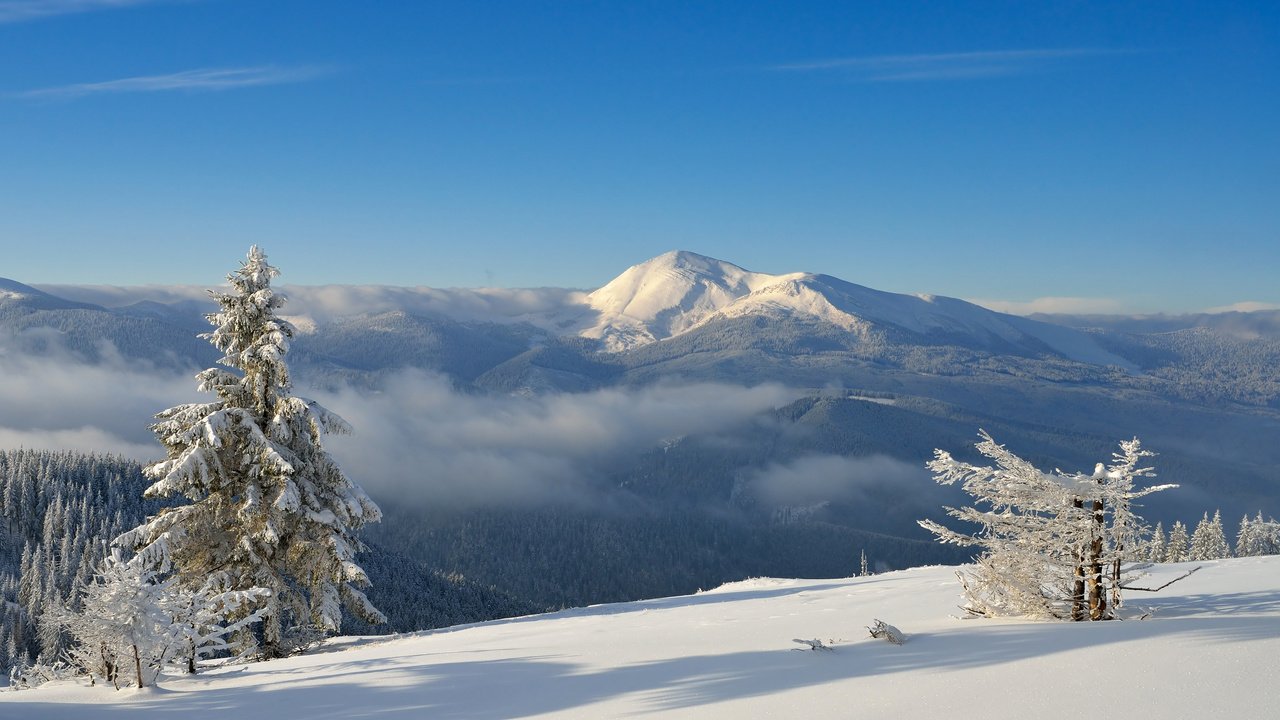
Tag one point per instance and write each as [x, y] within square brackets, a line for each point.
[110, 667]
[1079, 608]
[1119, 553]
[137, 664]
[1078, 612]
[1097, 594]
[272, 651]
[1115, 580]
[272, 635]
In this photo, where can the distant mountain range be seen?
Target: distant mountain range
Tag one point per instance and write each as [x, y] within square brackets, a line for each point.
[880, 375]
[673, 295]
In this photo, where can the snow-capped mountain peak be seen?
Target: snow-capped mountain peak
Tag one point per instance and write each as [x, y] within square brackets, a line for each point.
[668, 295]
[680, 291]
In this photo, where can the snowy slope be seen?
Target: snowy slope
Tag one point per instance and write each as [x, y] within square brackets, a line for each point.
[1208, 651]
[12, 291]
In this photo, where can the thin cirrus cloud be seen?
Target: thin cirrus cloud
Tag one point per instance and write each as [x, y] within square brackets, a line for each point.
[201, 80]
[15, 11]
[943, 66]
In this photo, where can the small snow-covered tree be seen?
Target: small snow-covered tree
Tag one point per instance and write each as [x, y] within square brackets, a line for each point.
[1245, 538]
[1209, 542]
[123, 626]
[1156, 545]
[199, 626]
[1179, 541]
[1258, 537]
[1268, 534]
[1053, 545]
[132, 622]
[267, 506]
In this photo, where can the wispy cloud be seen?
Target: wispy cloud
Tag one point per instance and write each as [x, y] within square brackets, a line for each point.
[1243, 307]
[943, 66]
[1054, 305]
[14, 11]
[201, 80]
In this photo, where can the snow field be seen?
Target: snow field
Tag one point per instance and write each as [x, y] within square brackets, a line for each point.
[1209, 650]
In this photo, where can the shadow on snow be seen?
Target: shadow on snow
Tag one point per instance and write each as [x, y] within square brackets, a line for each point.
[494, 689]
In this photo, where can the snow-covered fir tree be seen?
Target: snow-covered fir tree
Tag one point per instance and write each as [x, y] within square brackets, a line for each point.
[1053, 545]
[1268, 535]
[1156, 545]
[1209, 542]
[1179, 542]
[267, 505]
[1258, 537]
[1245, 538]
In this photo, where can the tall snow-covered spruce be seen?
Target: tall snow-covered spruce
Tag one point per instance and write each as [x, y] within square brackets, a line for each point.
[268, 507]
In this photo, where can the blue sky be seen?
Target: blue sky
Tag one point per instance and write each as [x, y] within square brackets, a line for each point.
[1124, 153]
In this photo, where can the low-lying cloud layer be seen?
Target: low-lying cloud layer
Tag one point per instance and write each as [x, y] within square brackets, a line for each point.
[327, 302]
[548, 307]
[417, 439]
[57, 401]
[489, 304]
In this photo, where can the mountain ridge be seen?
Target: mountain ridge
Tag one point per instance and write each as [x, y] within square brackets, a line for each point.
[14, 293]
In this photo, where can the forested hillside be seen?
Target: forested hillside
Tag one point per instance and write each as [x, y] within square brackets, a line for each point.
[61, 510]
